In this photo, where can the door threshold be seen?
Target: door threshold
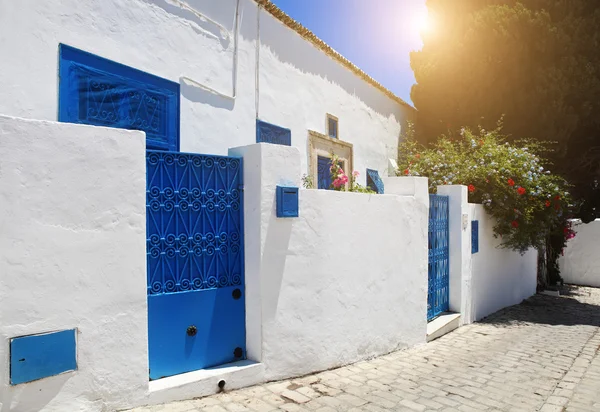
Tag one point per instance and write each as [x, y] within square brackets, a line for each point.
[444, 323]
[215, 373]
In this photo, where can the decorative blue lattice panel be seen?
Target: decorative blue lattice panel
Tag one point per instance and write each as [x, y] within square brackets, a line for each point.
[100, 92]
[194, 222]
[287, 201]
[269, 133]
[474, 236]
[439, 255]
[374, 182]
[324, 173]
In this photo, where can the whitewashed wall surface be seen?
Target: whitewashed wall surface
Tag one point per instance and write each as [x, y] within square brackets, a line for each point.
[500, 277]
[240, 64]
[344, 281]
[580, 264]
[73, 255]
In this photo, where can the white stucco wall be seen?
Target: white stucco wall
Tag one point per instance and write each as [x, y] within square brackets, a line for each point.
[72, 255]
[580, 264]
[292, 84]
[500, 277]
[345, 281]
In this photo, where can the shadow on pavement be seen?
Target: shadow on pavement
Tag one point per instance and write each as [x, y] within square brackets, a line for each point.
[564, 310]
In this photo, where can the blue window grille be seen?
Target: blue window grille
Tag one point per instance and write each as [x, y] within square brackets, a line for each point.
[270, 133]
[97, 91]
[374, 182]
[474, 236]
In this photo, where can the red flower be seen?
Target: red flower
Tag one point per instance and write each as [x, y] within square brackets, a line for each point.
[521, 190]
[548, 203]
[406, 171]
[418, 155]
[471, 188]
[511, 182]
[515, 224]
[481, 142]
[557, 197]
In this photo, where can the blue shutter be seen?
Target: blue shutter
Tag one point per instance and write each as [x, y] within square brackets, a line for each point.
[100, 92]
[474, 236]
[324, 174]
[374, 182]
[269, 133]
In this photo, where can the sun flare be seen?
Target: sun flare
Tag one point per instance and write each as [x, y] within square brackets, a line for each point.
[423, 22]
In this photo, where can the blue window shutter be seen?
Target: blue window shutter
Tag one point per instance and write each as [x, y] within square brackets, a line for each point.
[97, 91]
[374, 182]
[474, 236]
[269, 133]
[324, 173]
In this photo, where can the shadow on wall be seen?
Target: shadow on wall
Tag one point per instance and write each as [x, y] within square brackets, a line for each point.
[33, 396]
[199, 24]
[548, 310]
[199, 94]
[293, 49]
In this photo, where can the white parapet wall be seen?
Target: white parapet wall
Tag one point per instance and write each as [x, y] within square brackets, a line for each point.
[73, 256]
[500, 277]
[345, 281]
[580, 264]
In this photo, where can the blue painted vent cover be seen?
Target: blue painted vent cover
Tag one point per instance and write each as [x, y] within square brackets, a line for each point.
[40, 356]
[474, 236]
[287, 201]
[269, 133]
[374, 182]
[97, 91]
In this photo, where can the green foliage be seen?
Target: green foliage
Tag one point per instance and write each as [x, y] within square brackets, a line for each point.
[527, 201]
[307, 182]
[534, 61]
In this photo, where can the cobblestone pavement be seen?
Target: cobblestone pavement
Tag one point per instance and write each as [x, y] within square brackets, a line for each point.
[542, 355]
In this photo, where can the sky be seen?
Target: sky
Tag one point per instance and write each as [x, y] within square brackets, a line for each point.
[375, 35]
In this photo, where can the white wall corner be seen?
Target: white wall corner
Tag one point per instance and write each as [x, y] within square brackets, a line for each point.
[392, 167]
[460, 251]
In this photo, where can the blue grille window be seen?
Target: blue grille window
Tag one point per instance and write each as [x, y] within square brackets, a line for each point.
[374, 182]
[474, 236]
[269, 133]
[100, 92]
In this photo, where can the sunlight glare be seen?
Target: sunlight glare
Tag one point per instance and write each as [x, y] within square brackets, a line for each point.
[423, 23]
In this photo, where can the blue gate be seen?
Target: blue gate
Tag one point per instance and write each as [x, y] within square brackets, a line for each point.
[196, 315]
[439, 268]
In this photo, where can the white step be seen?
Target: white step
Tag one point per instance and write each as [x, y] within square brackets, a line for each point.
[445, 323]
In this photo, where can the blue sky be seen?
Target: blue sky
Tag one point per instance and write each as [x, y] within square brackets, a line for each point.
[376, 35]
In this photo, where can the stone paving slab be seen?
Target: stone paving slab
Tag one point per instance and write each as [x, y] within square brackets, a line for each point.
[542, 355]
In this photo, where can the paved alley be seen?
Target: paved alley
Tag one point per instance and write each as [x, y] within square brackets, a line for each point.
[542, 355]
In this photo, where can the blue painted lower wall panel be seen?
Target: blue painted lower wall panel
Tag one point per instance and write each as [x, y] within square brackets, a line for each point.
[219, 322]
[35, 357]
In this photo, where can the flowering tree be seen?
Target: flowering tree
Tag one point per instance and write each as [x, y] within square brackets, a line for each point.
[527, 201]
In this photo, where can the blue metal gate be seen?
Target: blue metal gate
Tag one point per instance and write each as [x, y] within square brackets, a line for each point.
[439, 268]
[196, 315]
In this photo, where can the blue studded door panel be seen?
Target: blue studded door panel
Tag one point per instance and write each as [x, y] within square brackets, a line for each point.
[196, 315]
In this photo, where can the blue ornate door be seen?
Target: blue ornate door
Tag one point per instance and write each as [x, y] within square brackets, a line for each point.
[439, 268]
[196, 315]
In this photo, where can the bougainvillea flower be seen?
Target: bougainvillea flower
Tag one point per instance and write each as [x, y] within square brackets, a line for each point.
[471, 188]
[511, 182]
[515, 224]
[557, 197]
[418, 155]
[521, 190]
[406, 171]
[548, 203]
